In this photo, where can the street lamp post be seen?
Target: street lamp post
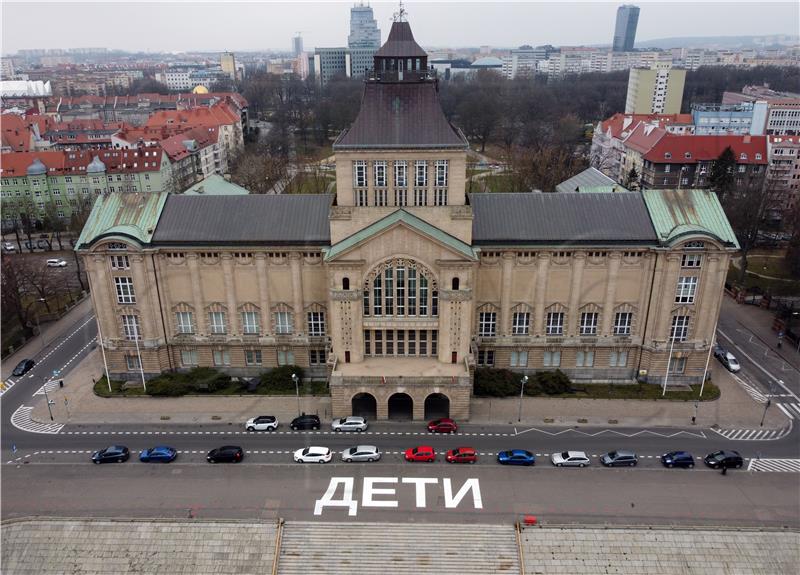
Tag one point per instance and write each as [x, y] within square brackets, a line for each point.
[521, 392]
[47, 399]
[296, 381]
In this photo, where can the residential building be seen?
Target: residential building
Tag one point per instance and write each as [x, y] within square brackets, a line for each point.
[625, 28]
[524, 60]
[783, 175]
[297, 45]
[401, 285]
[327, 63]
[66, 179]
[783, 108]
[79, 134]
[227, 61]
[744, 118]
[6, 68]
[655, 91]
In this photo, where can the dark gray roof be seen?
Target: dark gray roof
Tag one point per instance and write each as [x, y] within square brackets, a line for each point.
[400, 115]
[400, 43]
[567, 218]
[254, 219]
[588, 178]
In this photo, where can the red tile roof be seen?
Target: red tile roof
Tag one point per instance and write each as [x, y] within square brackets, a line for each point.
[16, 135]
[65, 162]
[217, 115]
[644, 136]
[706, 148]
[617, 122]
[176, 150]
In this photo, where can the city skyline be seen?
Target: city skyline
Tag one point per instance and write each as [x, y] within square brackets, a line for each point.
[272, 24]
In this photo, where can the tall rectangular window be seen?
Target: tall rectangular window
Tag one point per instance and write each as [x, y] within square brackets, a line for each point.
[555, 323]
[378, 342]
[401, 343]
[584, 358]
[285, 357]
[412, 342]
[222, 357]
[552, 359]
[618, 359]
[421, 174]
[440, 197]
[377, 307]
[316, 323]
[401, 197]
[486, 357]
[367, 346]
[360, 174]
[677, 365]
[691, 260]
[412, 292]
[401, 291]
[400, 174]
[434, 303]
[389, 342]
[185, 322]
[441, 173]
[588, 323]
[130, 327]
[252, 357]
[120, 263]
[420, 197]
[520, 323]
[487, 323]
[622, 323]
[283, 322]
[366, 301]
[687, 288]
[217, 321]
[361, 198]
[125, 293]
[434, 342]
[519, 359]
[133, 363]
[250, 322]
[189, 357]
[381, 197]
[423, 295]
[379, 167]
[680, 328]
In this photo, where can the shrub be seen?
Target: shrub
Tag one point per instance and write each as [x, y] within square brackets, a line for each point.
[496, 382]
[553, 382]
[280, 379]
[167, 387]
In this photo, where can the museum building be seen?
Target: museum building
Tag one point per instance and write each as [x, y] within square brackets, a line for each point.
[400, 284]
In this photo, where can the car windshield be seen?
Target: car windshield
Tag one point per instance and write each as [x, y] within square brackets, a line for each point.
[565, 454]
[352, 450]
[613, 454]
[719, 456]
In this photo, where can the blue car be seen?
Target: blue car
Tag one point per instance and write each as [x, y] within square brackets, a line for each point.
[158, 454]
[516, 457]
[678, 459]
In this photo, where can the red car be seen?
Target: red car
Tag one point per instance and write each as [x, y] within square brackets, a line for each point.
[444, 425]
[461, 455]
[421, 453]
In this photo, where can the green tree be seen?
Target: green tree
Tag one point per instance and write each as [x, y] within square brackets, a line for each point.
[723, 174]
[632, 180]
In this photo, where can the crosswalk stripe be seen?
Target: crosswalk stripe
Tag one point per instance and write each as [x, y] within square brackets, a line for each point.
[775, 465]
[21, 419]
[793, 407]
[785, 411]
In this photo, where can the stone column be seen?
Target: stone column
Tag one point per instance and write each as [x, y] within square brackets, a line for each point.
[666, 289]
[505, 293]
[542, 263]
[578, 262]
[709, 291]
[614, 260]
[104, 298]
[230, 293]
[159, 284]
[145, 296]
[295, 261]
[263, 293]
[197, 292]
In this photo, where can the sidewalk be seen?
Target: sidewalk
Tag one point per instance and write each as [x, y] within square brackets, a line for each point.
[759, 321]
[735, 409]
[49, 335]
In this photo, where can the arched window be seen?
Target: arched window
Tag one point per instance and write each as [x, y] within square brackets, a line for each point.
[401, 288]
[455, 284]
[345, 283]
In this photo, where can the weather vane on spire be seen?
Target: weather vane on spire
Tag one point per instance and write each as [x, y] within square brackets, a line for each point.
[400, 15]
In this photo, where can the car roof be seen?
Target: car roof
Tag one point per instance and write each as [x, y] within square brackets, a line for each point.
[576, 454]
[625, 452]
[228, 447]
[366, 448]
[520, 452]
[317, 448]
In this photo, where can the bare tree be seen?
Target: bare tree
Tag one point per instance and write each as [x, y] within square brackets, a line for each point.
[259, 173]
[544, 167]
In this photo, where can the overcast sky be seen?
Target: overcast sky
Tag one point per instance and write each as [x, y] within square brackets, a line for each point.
[148, 25]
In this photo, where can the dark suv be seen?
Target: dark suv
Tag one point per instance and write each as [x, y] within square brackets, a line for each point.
[305, 422]
[727, 458]
[619, 458]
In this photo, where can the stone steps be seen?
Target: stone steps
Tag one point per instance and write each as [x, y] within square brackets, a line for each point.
[397, 549]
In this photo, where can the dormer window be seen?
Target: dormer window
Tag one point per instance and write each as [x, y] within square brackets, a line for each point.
[742, 156]
[667, 156]
[758, 156]
[687, 155]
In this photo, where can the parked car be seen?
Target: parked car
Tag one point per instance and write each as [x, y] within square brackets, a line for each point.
[421, 453]
[516, 457]
[225, 454]
[158, 454]
[727, 458]
[305, 422]
[461, 455]
[351, 423]
[112, 454]
[368, 453]
[570, 459]
[727, 359]
[313, 454]
[678, 459]
[444, 425]
[262, 423]
[9, 247]
[56, 263]
[619, 458]
[23, 367]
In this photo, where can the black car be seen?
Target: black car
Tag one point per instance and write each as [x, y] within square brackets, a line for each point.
[305, 422]
[23, 367]
[225, 454]
[678, 459]
[619, 458]
[113, 454]
[730, 459]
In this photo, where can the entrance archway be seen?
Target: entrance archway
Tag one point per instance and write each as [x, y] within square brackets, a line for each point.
[401, 406]
[364, 405]
[437, 405]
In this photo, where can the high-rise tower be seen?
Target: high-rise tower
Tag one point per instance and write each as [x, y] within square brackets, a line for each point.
[625, 31]
[364, 31]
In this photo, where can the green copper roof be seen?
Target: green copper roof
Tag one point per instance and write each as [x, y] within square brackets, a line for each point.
[677, 213]
[401, 216]
[131, 215]
[216, 185]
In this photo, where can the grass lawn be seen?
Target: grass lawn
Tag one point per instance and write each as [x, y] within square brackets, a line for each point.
[310, 388]
[494, 183]
[771, 286]
[309, 184]
[769, 266]
[642, 391]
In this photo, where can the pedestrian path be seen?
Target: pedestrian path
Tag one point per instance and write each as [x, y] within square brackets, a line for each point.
[785, 465]
[50, 385]
[7, 384]
[754, 434]
[21, 419]
[792, 410]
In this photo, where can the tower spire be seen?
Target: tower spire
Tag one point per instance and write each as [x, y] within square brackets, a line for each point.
[400, 15]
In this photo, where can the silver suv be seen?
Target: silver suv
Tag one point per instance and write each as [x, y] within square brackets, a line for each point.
[351, 423]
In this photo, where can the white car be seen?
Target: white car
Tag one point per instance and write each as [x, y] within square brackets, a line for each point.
[313, 454]
[9, 247]
[56, 263]
[262, 423]
[570, 459]
[727, 359]
[351, 423]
